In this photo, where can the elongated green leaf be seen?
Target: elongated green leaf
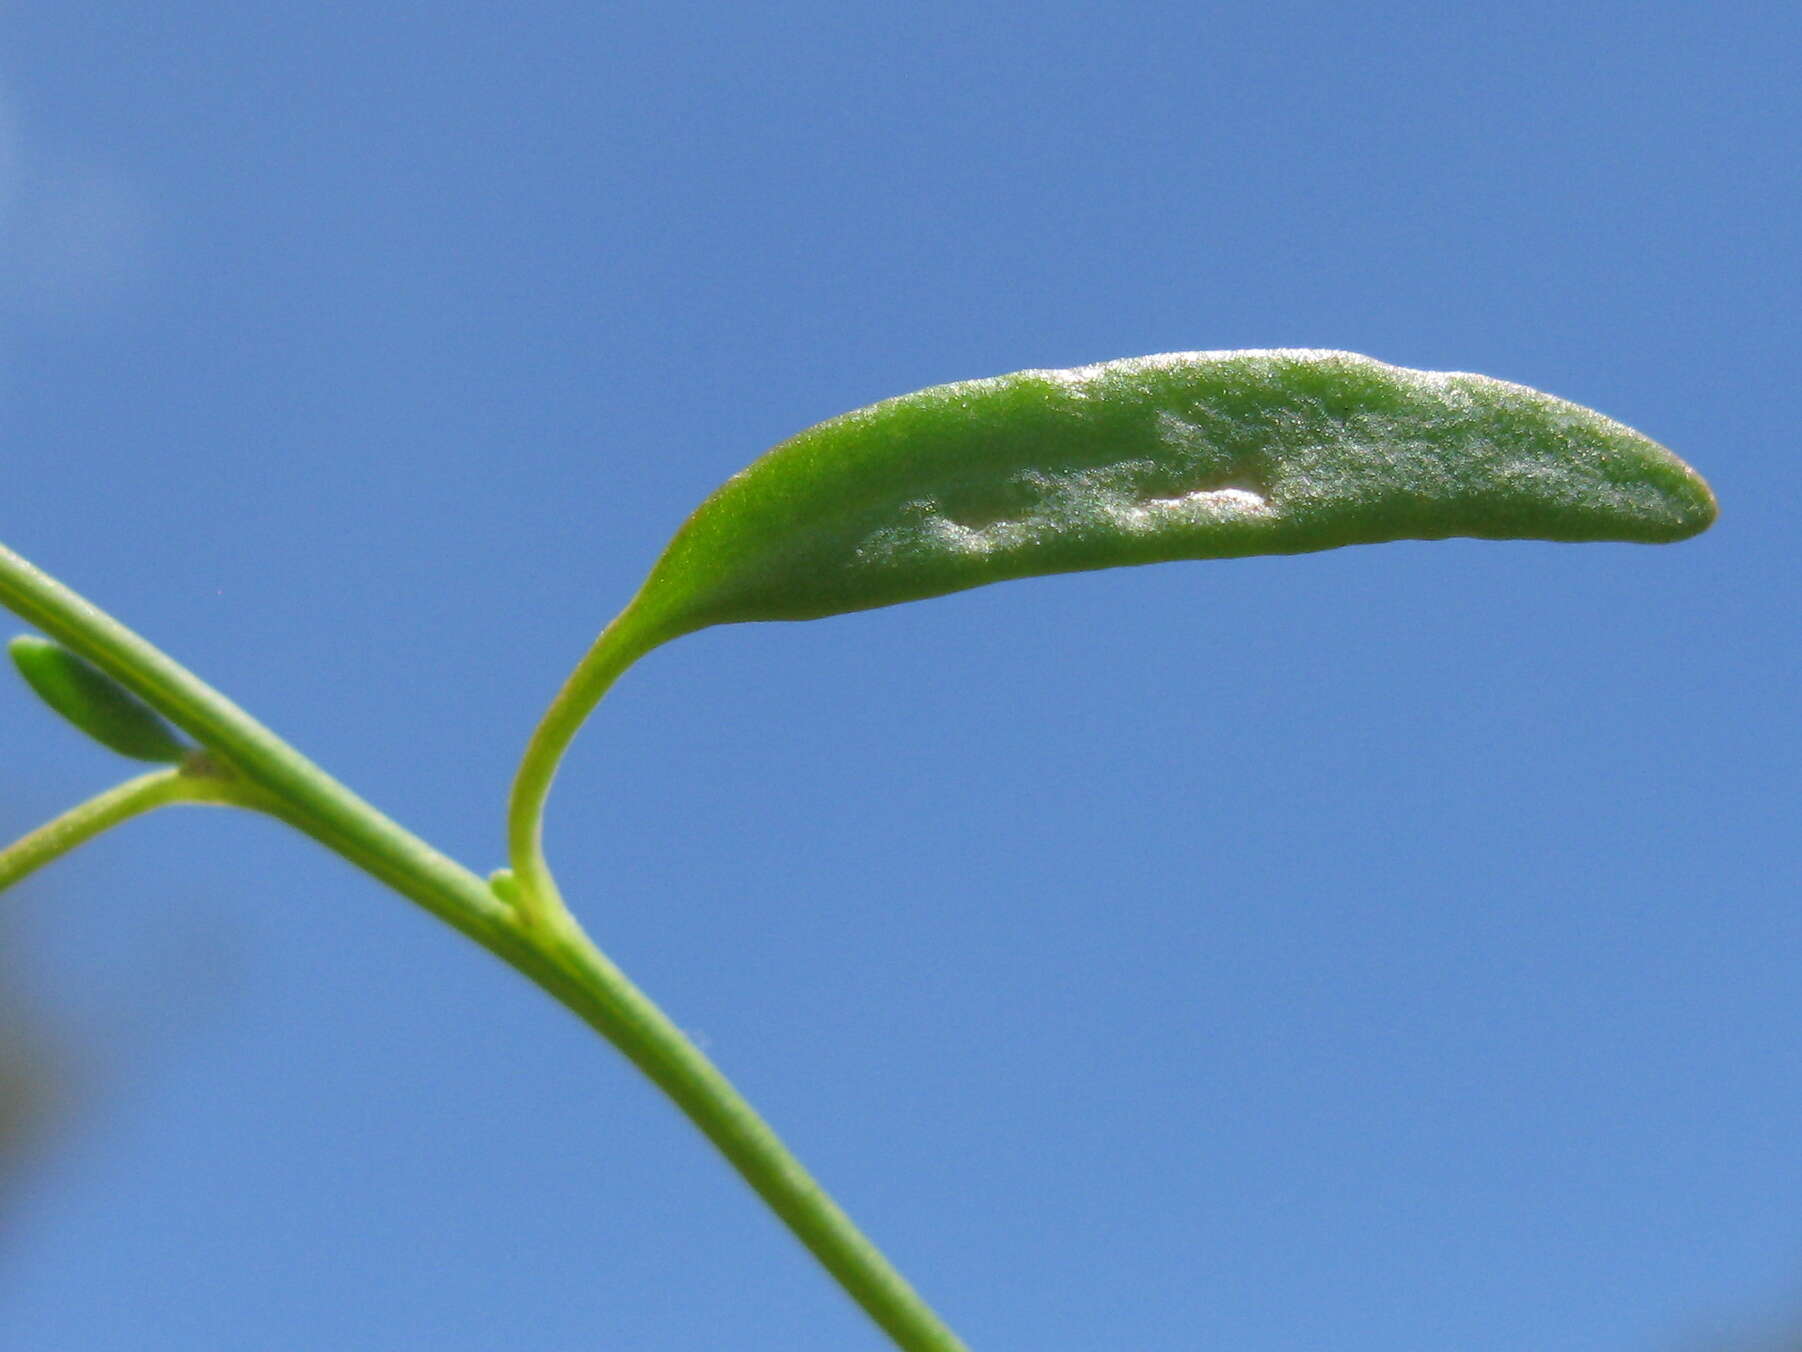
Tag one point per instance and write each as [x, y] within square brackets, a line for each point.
[94, 701]
[1191, 455]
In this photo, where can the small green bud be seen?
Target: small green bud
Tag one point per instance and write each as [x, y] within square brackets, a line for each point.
[94, 701]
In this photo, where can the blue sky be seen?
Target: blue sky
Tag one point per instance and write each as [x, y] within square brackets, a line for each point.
[1388, 948]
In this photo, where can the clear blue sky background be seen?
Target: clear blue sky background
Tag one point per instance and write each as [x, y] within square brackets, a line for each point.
[1385, 949]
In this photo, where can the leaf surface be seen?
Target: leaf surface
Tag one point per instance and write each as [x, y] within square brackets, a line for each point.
[1189, 455]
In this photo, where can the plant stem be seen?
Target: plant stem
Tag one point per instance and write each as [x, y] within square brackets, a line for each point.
[121, 803]
[621, 643]
[304, 795]
[557, 955]
[657, 1047]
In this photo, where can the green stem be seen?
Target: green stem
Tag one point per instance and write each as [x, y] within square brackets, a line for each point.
[621, 643]
[121, 803]
[546, 945]
[312, 799]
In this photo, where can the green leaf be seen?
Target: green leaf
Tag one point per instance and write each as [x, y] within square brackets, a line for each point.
[1191, 455]
[94, 701]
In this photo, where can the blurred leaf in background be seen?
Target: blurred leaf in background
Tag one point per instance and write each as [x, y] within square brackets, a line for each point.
[27, 1087]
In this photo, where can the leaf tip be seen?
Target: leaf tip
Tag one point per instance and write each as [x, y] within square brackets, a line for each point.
[94, 702]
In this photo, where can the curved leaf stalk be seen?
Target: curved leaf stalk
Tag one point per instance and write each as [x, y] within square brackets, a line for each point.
[558, 956]
[628, 638]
